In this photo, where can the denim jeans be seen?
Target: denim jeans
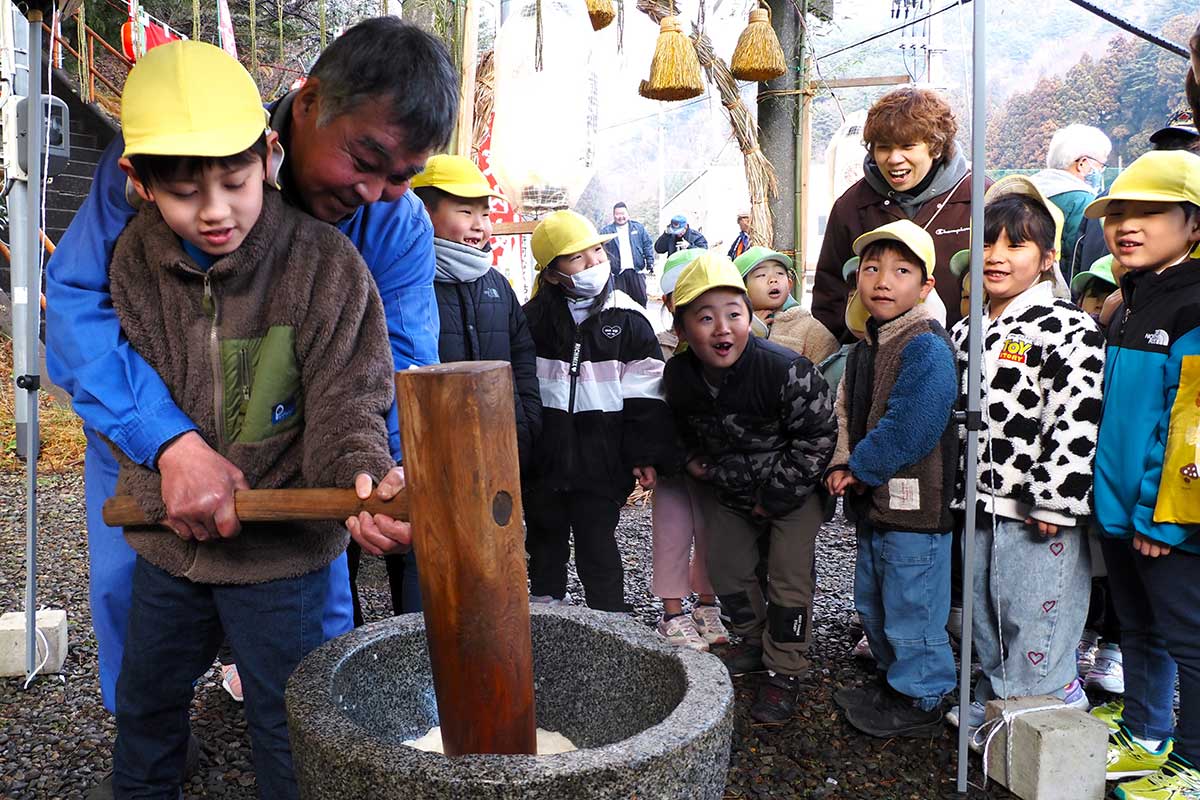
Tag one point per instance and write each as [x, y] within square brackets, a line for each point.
[175, 628]
[1031, 599]
[902, 595]
[1158, 603]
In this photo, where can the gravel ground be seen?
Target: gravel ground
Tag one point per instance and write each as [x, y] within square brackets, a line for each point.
[55, 738]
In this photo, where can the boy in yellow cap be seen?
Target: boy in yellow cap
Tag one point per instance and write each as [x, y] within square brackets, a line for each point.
[481, 318]
[1151, 386]
[894, 466]
[268, 330]
[604, 422]
[770, 280]
[757, 423]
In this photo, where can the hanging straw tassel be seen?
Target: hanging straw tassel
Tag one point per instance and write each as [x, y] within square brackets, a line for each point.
[758, 56]
[675, 70]
[601, 13]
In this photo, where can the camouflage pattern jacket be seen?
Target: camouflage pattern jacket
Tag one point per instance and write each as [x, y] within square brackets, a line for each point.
[767, 434]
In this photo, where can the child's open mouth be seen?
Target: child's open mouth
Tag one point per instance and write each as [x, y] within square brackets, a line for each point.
[994, 274]
[723, 348]
[218, 236]
[1128, 244]
[899, 175]
[472, 240]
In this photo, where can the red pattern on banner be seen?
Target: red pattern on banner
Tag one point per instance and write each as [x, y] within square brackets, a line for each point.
[506, 250]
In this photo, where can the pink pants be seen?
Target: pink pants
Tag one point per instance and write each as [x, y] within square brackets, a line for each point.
[678, 526]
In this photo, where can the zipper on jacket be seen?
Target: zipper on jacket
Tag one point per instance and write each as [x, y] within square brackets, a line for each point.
[244, 373]
[209, 304]
[575, 359]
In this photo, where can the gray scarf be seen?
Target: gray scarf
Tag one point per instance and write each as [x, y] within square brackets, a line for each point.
[459, 263]
[946, 176]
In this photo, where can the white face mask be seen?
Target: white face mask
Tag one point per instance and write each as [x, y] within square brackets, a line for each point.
[588, 283]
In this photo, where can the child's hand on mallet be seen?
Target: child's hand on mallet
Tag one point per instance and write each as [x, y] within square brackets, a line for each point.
[838, 481]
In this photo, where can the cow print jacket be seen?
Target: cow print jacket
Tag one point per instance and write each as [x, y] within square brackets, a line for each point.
[1043, 374]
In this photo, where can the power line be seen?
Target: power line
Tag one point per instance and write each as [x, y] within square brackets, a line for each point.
[1126, 25]
[892, 30]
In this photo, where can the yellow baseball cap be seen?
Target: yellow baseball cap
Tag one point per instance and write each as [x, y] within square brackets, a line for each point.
[709, 271]
[908, 233]
[1025, 186]
[562, 233]
[456, 175]
[1160, 176]
[190, 98]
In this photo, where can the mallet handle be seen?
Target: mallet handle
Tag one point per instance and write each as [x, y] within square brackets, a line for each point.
[275, 505]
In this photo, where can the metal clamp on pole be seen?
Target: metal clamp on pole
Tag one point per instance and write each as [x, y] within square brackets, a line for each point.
[30, 383]
[971, 420]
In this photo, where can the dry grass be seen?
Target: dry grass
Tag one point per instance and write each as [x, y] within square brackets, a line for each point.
[61, 432]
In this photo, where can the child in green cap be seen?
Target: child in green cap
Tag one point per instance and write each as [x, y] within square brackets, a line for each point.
[770, 279]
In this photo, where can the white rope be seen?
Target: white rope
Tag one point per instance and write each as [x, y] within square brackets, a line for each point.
[997, 724]
[45, 655]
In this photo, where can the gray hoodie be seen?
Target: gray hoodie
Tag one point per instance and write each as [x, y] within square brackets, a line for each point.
[946, 176]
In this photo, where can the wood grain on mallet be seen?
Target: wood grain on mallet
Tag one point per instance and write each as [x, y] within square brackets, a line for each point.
[275, 505]
[458, 427]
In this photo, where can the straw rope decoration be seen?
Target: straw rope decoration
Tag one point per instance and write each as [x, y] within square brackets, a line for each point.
[195, 20]
[601, 13]
[760, 175]
[537, 40]
[485, 99]
[279, 9]
[253, 42]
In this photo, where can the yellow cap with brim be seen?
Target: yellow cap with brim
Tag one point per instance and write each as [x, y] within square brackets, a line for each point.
[563, 233]
[1160, 176]
[856, 314]
[456, 175]
[908, 233]
[190, 98]
[1023, 185]
[709, 271]
[673, 267]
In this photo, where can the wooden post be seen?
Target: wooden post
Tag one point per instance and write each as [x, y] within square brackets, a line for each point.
[464, 133]
[460, 458]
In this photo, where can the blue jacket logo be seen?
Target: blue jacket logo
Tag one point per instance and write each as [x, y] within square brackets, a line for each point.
[283, 411]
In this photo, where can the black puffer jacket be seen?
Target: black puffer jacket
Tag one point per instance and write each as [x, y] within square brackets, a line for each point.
[483, 321]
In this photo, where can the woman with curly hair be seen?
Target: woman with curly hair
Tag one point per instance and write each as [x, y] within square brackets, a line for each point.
[913, 170]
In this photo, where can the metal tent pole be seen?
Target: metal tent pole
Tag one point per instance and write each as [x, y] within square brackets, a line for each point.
[24, 218]
[974, 335]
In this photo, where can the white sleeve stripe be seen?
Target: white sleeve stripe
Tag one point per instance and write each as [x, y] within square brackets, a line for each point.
[643, 386]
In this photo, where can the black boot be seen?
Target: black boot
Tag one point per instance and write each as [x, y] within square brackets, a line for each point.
[776, 700]
[896, 714]
[743, 658]
[861, 696]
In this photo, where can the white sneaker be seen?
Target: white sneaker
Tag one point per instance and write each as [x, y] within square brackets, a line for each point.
[707, 620]
[547, 599]
[976, 714]
[1085, 653]
[681, 632]
[862, 649]
[1074, 696]
[231, 682]
[1108, 673]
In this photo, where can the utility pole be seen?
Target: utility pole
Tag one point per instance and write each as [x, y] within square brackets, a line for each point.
[779, 124]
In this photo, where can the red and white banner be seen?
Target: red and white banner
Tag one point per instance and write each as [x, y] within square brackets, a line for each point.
[508, 254]
[225, 27]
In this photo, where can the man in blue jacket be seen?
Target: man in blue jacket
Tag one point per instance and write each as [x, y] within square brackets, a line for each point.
[630, 253]
[376, 104]
[680, 236]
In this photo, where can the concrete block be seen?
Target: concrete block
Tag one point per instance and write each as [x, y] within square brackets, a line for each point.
[53, 625]
[1057, 754]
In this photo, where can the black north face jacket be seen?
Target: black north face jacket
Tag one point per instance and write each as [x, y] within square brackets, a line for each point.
[769, 432]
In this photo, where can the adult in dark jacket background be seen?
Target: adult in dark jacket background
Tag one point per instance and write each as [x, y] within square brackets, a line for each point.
[679, 236]
[630, 253]
[913, 170]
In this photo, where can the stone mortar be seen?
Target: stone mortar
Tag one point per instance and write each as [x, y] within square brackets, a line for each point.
[651, 720]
